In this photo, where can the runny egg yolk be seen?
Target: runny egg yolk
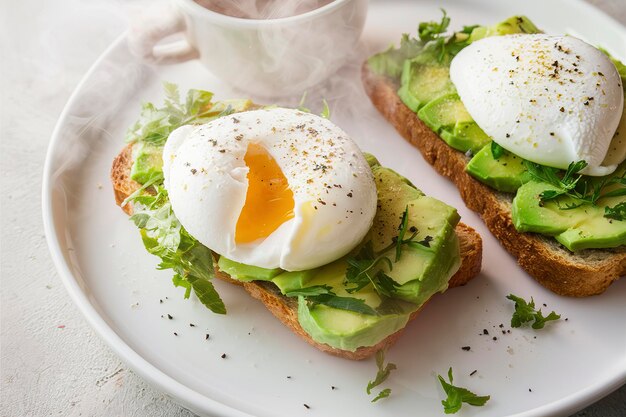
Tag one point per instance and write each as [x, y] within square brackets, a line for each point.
[269, 201]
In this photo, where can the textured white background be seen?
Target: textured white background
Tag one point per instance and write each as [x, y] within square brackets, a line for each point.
[51, 362]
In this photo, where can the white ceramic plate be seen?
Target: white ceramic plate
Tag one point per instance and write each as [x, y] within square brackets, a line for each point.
[268, 370]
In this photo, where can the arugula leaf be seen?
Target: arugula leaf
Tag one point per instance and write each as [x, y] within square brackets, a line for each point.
[163, 236]
[496, 150]
[617, 212]
[155, 179]
[179, 281]
[342, 303]
[382, 394]
[431, 39]
[155, 124]
[381, 376]
[525, 312]
[456, 396]
[390, 62]
[310, 291]
[430, 31]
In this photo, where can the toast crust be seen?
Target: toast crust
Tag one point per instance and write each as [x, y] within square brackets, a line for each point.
[579, 274]
[286, 309]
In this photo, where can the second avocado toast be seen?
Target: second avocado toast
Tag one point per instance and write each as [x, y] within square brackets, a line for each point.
[411, 87]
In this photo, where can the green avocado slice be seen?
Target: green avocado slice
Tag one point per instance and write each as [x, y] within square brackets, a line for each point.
[506, 173]
[420, 272]
[583, 227]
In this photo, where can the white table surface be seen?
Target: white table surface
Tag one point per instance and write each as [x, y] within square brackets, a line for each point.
[51, 361]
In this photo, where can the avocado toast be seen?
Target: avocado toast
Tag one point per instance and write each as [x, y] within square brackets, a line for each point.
[448, 255]
[413, 91]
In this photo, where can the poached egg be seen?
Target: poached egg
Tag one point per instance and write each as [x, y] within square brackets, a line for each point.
[273, 188]
[552, 100]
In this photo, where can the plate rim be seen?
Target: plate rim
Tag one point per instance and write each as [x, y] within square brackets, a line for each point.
[182, 394]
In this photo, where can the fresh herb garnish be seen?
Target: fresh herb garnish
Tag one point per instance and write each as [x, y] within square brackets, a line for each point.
[402, 228]
[381, 376]
[525, 312]
[163, 236]
[433, 35]
[496, 150]
[155, 124]
[323, 294]
[342, 303]
[161, 232]
[457, 396]
[363, 268]
[582, 190]
[367, 266]
[430, 38]
[310, 291]
[432, 31]
[617, 212]
[382, 394]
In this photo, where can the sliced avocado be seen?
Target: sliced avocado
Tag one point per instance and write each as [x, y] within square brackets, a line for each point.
[506, 174]
[371, 159]
[288, 281]
[424, 79]
[147, 162]
[577, 228]
[349, 330]
[423, 270]
[420, 272]
[510, 26]
[448, 116]
[244, 272]
[444, 111]
[465, 136]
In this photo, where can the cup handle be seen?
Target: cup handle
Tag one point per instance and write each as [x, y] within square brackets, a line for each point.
[147, 31]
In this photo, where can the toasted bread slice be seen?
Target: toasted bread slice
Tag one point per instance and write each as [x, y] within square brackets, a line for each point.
[578, 274]
[285, 308]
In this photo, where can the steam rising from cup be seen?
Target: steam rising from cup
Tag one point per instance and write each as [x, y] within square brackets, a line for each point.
[283, 49]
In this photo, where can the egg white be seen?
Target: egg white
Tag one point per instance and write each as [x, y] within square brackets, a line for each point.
[333, 187]
[552, 100]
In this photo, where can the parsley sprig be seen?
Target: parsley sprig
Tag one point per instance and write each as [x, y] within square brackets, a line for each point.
[457, 396]
[381, 376]
[579, 188]
[525, 312]
[367, 266]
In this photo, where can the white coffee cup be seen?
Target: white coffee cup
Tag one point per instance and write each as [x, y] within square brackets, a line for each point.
[264, 57]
